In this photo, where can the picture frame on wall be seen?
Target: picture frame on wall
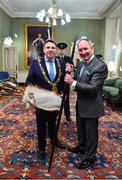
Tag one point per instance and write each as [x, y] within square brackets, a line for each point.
[32, 33]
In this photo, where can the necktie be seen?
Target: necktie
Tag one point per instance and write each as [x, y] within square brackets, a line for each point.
[83, 67]
[62, 58]
[51, 70]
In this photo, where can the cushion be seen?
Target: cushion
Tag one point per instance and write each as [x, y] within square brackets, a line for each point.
[110, 82]
[4, 75]
[112, 91]
[118, 83]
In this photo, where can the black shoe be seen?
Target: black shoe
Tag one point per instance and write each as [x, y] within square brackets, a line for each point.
[75, 150]
[85, 164]
[42, 155]
[60, 145]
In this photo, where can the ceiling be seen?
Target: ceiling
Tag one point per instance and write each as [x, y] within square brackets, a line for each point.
[84, 9]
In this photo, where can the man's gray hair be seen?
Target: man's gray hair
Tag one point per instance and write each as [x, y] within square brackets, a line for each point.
[86, 39]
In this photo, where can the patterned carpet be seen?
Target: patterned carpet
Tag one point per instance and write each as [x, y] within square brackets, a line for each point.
[18, 146]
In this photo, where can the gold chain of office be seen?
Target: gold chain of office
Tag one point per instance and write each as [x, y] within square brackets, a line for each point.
[53, 84]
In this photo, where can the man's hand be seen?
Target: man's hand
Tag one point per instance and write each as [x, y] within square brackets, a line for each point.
[68, 79]
[69, 68]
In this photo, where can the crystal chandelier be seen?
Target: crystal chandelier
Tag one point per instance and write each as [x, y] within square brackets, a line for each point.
[53, 15]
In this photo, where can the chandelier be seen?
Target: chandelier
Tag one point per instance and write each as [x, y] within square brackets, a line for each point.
[53, 15]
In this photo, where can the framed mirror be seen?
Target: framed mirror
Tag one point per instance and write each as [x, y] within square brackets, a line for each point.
[32, 33]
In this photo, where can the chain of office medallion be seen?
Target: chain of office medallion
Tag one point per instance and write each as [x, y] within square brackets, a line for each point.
[45, 76]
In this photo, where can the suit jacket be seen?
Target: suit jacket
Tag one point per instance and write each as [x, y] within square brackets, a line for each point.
[89, 88]
[36, 76]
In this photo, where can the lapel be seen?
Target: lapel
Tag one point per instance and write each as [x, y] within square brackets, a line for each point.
[45, 68]
[79, 69]
[57, 69]
[86, 71]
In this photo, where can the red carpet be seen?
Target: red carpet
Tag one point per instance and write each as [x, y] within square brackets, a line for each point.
[18, 147]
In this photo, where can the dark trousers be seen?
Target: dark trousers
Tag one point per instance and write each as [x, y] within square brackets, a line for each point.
[46, 120]
[67, 103]
[87, 129]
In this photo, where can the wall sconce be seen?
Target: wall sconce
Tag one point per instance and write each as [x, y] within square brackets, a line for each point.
[114, 52]
[120, 69]
[15, 35]
[111, 68]
[8, 41]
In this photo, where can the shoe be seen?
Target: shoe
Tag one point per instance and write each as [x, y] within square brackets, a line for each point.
[60, 145]
[42, 155]
[75, 150]
[85, 164]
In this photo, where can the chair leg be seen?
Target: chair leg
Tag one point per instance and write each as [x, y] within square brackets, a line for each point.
[113, 106]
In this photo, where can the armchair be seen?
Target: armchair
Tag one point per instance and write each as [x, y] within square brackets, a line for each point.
[112, 90]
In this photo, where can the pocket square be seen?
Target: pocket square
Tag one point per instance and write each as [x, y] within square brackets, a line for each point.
[86, 72]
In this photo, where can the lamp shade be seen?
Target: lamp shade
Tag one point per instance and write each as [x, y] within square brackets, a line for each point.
[111, 66]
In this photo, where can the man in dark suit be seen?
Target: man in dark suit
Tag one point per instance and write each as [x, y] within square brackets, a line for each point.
[65, 59]
[49, 77]
[88, 82]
